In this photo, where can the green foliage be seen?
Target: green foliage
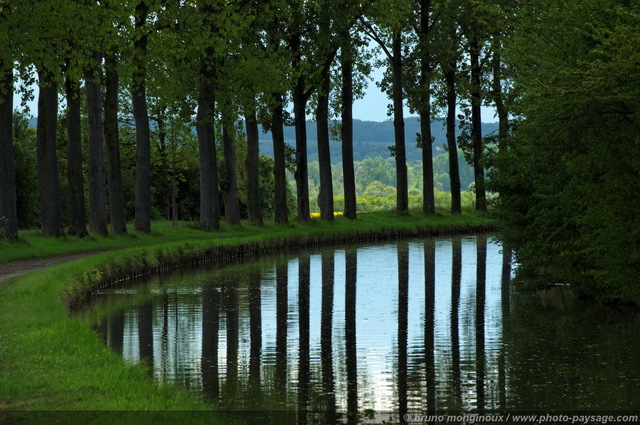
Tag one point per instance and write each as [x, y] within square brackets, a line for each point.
[245, 49]
[374, 169]
[175, 167]
[24, 145]
[441, 172]
[568, 180]
[266, 182]
[375, 183]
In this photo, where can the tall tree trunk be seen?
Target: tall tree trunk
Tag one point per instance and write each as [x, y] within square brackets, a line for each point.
[112, 139]
[348, 171]
[209, 202]
[325, 197]
[97, 198]
[75, 176]
[428, 196]
[231, 205]
[162, 157]
[501, 110]
[141, 116]
[174, 180]
[279, 171]
[402, 203]
[476, 123]
[252, 163]
[209, 193]
[301, 173]
[454, 173]
[174, 199]
[8, 200]
[46, 152]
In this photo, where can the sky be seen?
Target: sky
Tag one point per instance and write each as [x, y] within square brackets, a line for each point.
[373, 107]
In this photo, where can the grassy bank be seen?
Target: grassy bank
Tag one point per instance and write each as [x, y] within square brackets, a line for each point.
[33, 245]
[49, 360]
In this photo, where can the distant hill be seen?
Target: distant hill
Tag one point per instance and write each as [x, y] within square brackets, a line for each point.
[371, 138]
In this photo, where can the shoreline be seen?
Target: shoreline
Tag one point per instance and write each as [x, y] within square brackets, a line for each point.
[148, 263]
[51, 361]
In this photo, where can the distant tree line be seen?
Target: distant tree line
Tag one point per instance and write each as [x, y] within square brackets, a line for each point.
[164, 66]
[371, 138]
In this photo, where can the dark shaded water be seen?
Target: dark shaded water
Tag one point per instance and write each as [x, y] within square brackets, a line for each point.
[424, 326]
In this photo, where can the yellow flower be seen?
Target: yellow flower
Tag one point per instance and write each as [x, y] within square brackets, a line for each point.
[316, 215]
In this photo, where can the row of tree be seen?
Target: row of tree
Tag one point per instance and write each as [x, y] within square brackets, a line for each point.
[217, 61]
[175, 170]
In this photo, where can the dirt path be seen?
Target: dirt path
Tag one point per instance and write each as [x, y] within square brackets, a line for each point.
[9, 270]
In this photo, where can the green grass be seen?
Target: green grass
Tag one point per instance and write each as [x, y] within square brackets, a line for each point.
[50, 360]
[32, 244]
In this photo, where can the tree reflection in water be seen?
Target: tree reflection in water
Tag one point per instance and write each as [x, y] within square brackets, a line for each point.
[426, 326]
[351, 357]
[429, 323]
[210, 329]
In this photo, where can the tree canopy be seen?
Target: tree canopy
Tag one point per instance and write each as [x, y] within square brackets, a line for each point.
[568, 177]
[165, 86]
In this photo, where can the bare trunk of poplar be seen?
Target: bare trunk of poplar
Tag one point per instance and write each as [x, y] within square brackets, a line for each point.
[501, 110]
[325, 197]
[209, 202]
[454, 173]
[402, 203]
[231, 204]
[253, 169]
[301, 173]
[348, 171]
[428, 196]
[112, 139]
[279, 171]
[47, 161]
[476, 125]
[141, 116]
[8, 200]
[97, 193]
[75, 176]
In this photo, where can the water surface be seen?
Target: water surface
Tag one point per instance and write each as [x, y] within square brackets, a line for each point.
[419, 326]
